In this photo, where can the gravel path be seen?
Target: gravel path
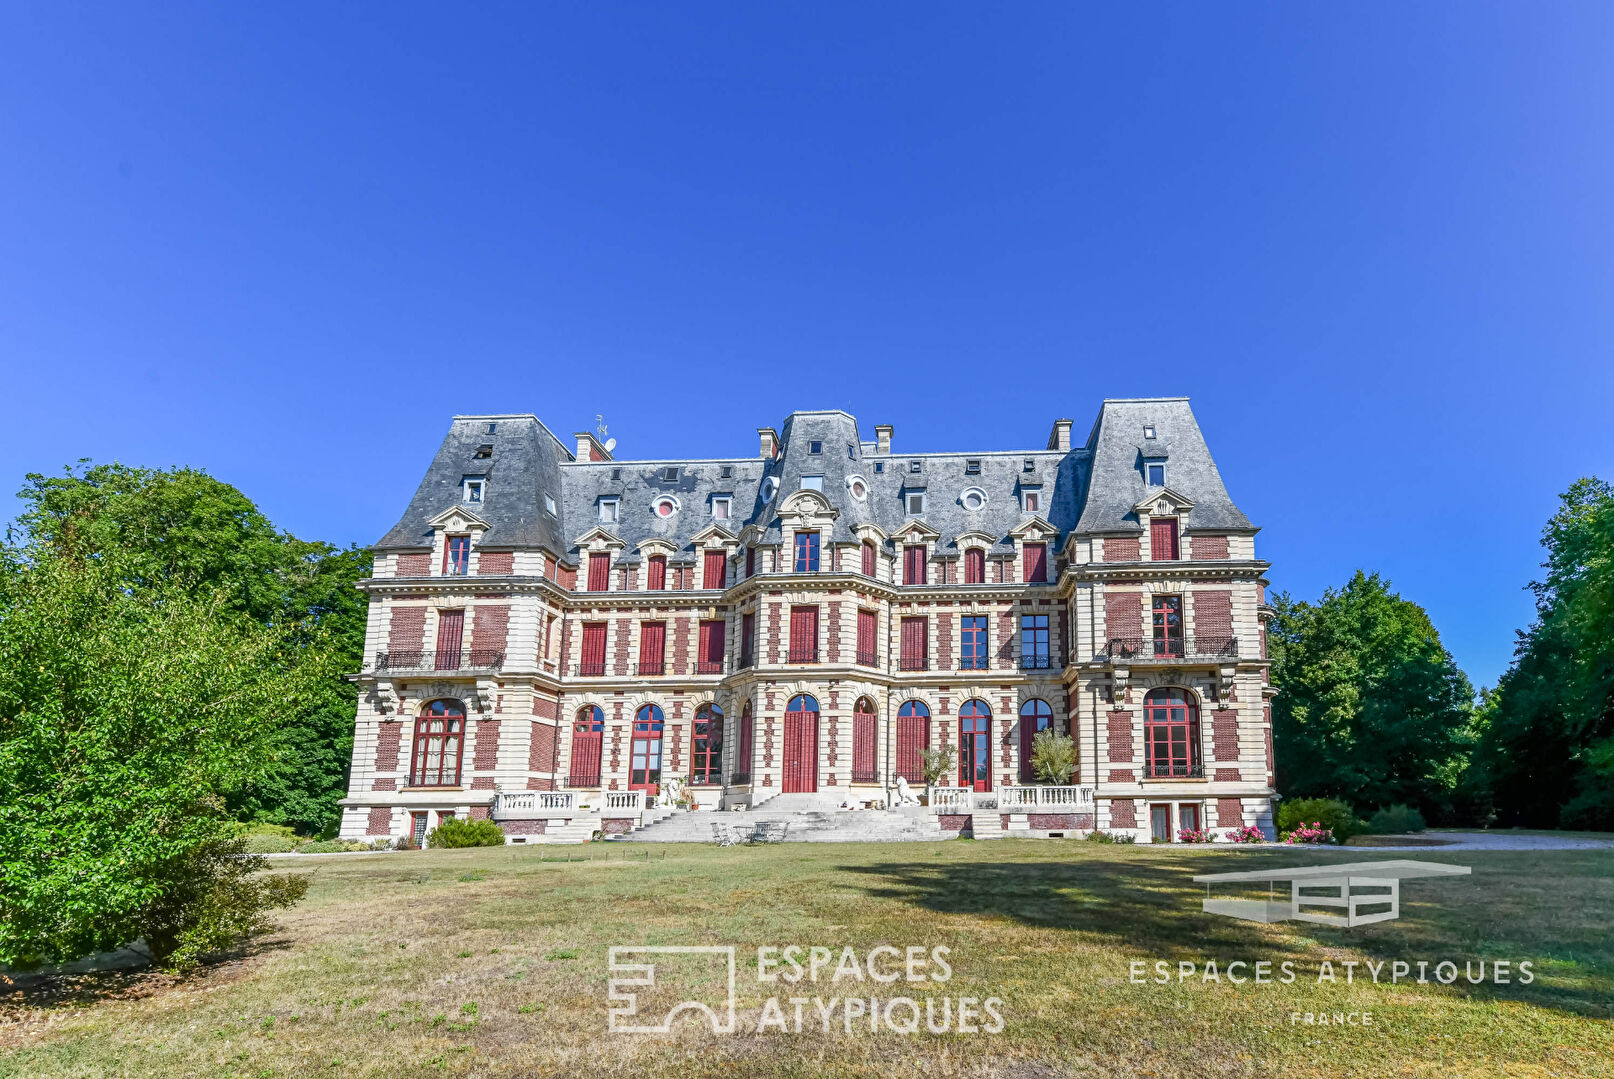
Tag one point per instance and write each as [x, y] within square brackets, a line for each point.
[1501, 841]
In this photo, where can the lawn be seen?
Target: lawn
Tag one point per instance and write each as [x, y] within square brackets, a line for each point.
[493, 962]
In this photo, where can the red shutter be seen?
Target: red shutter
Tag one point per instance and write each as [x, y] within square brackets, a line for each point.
[913, 736]
[716, 569]
[652, 646]
[1163, 539]
[975, 566]
[742, 757]
[750, 561]
[804, 634]
[593, 648]
[658, 573]
[914, 634]
[599, 572]
[913, 565]
[865, 638]
[1035, 557]
[450, 638]
[710, 659]
[863, 747]
[748, 638]
[868, 560]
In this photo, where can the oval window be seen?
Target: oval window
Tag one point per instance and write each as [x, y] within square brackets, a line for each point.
[973, 499]
[666, 507]
[859, 489]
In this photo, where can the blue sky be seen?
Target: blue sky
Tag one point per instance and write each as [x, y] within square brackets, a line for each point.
[1373, 243]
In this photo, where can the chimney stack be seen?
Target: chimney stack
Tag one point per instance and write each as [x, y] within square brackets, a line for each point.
[770, 442]
[1059, 438]
[882, 438]
[590, 449]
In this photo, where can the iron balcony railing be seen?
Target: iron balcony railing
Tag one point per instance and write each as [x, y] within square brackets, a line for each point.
[1036, 662]
[867, 659]
[584, 779]
[1172, 648]
[708, 666]
[914, 663]
[654, 666]
[479, 659]
[589, 670]
[1174, 770]
[805, 655]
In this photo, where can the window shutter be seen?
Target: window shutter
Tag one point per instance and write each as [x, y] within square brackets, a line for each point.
[803, 634]
[914, 634]
[865, 637]
[748, 633]
[974, 566]
[1036, 562]
[868, 560]
[863, 747]
[750, 561]
[450, 638]
[716, 569]
[594, 648]
[652, 647]
[599, 572]
[658, 573]
[913, 565]
[711, 654]
[1163, 539]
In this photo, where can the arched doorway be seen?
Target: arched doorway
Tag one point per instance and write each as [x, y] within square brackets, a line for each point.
[913, 738]
[801, 746]
[644, 759]
[864, 768]
[1035, 716]
[587, 734]
[975, 745]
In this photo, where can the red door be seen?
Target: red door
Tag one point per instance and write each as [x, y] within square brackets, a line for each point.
[913, 737]
[801, 746]
[450, 637]
[587, 733]
[1035, 716]
[644, 761]
[975, 746]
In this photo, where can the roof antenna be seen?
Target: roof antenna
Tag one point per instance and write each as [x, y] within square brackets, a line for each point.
[599, 425]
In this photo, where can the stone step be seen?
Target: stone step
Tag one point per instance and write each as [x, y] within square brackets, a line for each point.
[986, 824]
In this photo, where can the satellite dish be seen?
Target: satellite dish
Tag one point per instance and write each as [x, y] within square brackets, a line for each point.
[610, 444]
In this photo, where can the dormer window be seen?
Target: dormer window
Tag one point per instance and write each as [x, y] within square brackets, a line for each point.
[457, 556]
[610, 509]
[727, 472]
[879, 466]
[916, 502]
[859, 489]
[972, 466]
[916, 466]
[812, 483]
[484, 451]
[972, 499]
[492, 428]
[1031, 499]
[1157, 473]
[1028, 465]
[472, 492]
[720, 507]
[851, 452]
[815, 448]
[669, 475]
[1148, 430]
[665, 506]
[616, 473]
[770, 487]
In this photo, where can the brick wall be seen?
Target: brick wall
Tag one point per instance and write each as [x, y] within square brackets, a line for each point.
[490, 625]
[1229, 813]
[1123, 613]
[414, 565]
[1129, 549]
[1213, 614]
[1225, 734]
[496, 562]
[1120, 737]
[541, 752]
[380, 822]
[407, 630]
[1207, 547]
[486, 755]
[1123, 814]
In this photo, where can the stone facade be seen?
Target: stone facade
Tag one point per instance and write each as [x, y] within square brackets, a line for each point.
[481, 613]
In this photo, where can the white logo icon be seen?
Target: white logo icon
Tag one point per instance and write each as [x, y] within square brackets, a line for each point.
[1353, 888]
[642, 976]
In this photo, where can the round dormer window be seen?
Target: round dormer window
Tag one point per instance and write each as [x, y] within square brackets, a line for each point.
[665, 506]
[972, 499]
[770, 487]
[858, 488]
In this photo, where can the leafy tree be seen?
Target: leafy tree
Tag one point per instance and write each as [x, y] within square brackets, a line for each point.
[127, 718]
[1547, 737]
[181, 528]
[1371, 707]
[1053, 757]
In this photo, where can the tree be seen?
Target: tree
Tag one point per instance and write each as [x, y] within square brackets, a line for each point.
[181, 528]
[1547, 743]
[1371, 708]
[1053, 756]
[128, 717]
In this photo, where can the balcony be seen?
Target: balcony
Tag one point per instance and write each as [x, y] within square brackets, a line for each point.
[589, 669]
[867, 659]
[914, 663]
[1040, 662]
[708, 666]
[1172, 649]
[1174, 770]
[806, 655]
[654, 666]
[477, 660]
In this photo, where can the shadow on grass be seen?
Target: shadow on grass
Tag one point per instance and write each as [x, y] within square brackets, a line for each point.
[63, 990]
[1145, 905]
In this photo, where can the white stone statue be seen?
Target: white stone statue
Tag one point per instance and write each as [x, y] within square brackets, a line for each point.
[905, 794]
[671, 789]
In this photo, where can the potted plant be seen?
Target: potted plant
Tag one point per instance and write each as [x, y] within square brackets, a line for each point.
[1053, 758]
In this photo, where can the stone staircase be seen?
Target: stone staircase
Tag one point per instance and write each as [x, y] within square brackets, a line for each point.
[793, 818]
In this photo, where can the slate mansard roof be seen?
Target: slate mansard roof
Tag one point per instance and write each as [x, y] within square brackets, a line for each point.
[1086, 489]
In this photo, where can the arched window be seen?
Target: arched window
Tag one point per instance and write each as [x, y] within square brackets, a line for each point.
[864, 769]
[587, 736]
[975, 745]
[1035, 716]
[644, 760]
[800, 772]
[439, 745]
[1171, 734]
[742, 753]
[868, 559]
[974, 565]
[803, 703]
[707, 766]
[913, 738]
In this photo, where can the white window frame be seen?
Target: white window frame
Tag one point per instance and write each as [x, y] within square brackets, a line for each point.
[812, 483]
[610, 510]
[1028, 495]
[908, 502]
[474, 491]
[1151, 463]
[672, 500]
[967, 493]
[726, 503]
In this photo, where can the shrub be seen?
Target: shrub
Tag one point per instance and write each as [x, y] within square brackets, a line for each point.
[1396, 820]
[1329, 813]
[261, 843]
[334, 846]
[1196, 835]
[1053, 757]
[458, 832]
[1310, 833]
[1098, 835]
[938, 764]
[1247, 834]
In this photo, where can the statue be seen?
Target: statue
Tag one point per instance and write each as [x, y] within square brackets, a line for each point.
[672, 791]
[905, 794]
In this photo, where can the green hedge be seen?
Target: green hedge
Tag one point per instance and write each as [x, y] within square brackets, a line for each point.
[1331, 813]
[458, 832]
[1396, 820]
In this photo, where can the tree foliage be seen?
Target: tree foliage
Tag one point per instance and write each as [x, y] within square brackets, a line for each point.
[181, 529]
[1371, 708]
[1547, 734]
[1053, 757]
[128, 717]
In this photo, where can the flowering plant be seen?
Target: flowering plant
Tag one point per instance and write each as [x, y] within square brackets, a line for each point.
[1195, 835]
[1247, 834]
[1310, 833]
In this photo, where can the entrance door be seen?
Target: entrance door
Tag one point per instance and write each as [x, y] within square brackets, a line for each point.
[1035, 716]
[1160, 823]
[801, 746]
[913, 738]
[644, 761]
[417, 827]
[975, 746]
[1188, 816]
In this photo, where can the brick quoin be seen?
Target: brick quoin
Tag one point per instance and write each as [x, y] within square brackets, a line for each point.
[386, 746]
[1120, 737]
[619, 659]
[500, 563]
[1225, 734]
[1207, 547]
[380, 822]
[1006, 639]
[773, 634]
[1229, 813]
[1123, 614]
[545, 708]
[482, 783]
[1129, 549]
[944, 642]
[681, 646]
[486, 757]
[407, 629]
[1227, 775]
[1121, 775]
[1123, 814]
[384, 785]
[832, 647]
